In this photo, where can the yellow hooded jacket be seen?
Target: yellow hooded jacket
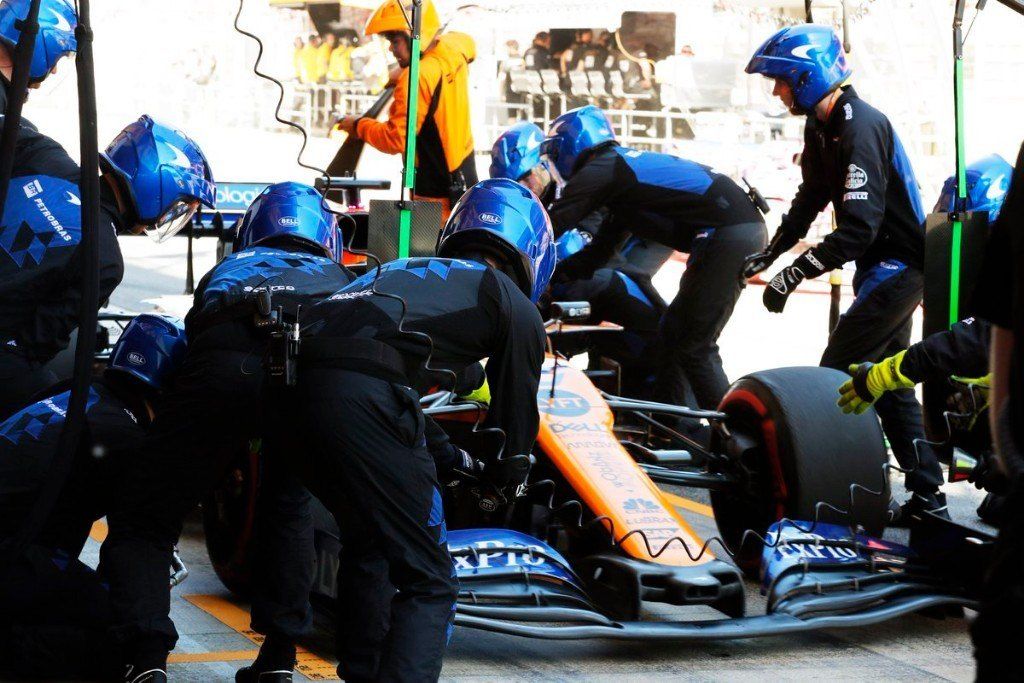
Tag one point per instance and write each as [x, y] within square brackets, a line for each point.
[444, 141]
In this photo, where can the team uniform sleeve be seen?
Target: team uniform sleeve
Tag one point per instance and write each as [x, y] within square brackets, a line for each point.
[588, 190]
[56, 317]
[513, 372]
[961, 350]
[389, 136]
[584, 262]
[864, 154]
[811, 198]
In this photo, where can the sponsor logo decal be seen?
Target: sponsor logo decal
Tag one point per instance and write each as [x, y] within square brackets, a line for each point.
[72, 199]
[288, 221]
[136, 358]
[179, 157]
[814, 261]
[33, 188]
[848, 110]
[490, 218]
[271, 288]
[850, 196]
[855, 177]
[343, 296]
[802, 51]
[564, 404]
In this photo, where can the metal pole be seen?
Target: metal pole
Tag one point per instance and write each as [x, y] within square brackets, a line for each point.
[17, 94]
[961, 177]
[409, 172]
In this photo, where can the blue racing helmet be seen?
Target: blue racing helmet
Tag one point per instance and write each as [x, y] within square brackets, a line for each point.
[502, 216]
[150, 348]
[808, 57]
[516, 151]
[988, 179]
[56, 37]
[571, 242]
[574, 133]
[163, 172]
[291, 211]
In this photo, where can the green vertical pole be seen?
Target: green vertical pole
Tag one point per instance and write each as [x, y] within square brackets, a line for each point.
[409, 172]
[961, 173]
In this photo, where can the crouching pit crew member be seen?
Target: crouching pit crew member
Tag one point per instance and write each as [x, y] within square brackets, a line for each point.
[288, 247]
[675, 202]
[371, 350]
[154, 178]
[54, 610]
[852, 158]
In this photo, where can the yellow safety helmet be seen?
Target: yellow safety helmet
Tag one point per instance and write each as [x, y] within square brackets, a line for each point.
[389, 17]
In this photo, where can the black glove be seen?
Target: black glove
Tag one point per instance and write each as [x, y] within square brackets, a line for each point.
[461, 466]
[789, 278]
[781, 242]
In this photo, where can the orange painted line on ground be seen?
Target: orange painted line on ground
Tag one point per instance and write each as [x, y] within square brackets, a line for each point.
[222, 656]
[237, 618]
[687, 504]
[98, 532]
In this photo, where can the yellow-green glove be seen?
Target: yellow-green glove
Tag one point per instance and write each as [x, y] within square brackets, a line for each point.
[481, 394]
[870, 381]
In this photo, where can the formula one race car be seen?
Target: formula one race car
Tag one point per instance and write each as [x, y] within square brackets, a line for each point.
[800, 496]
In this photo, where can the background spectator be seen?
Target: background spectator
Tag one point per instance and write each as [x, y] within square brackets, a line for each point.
[538, 56]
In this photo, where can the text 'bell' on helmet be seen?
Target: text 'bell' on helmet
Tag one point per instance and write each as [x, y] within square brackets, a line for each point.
[56, 37]
[988, 180]
[393, 17]
[291, 212]
[807, 57]
[164, 173]
[150, 348]
[502, 216]
[573, 134]
[571, 242]
[516, 151]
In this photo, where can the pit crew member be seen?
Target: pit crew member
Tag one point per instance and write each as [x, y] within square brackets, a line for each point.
[516, 156]
[289, 246]
[444, 143]
[153, 180]
[675, 202]
[852, 158]
[54, 612]
[373, 348]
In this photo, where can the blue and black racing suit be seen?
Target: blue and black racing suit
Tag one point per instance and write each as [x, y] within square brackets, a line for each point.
[855, 161]
[55, 610]
[371, 351]
[216, 405]
[690, 208]
[40, 267]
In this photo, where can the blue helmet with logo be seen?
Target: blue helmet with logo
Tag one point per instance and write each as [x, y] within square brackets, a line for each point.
[164, 174]
[574, 133]
[807, 57]
[294, 212]
[988, 179]
[501, 216]
[516, 151]
[150, 348]
[56, 37]
[571, 242]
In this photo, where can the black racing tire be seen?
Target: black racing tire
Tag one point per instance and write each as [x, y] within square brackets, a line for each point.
[229, 516]
[807, 452]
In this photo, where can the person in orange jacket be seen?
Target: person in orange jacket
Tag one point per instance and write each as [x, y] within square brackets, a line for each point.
[444, 148]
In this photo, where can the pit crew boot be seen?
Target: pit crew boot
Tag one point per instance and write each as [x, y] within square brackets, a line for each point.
[250, 674]
[274, 664]
[912, 510]
[135, 674]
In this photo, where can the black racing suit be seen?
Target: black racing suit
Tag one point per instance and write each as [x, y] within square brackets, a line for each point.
[628, 299]
[689, 208]
[214, 408]
[998, 631]
[366, 456]
[855, 161]
[40, 267]
[54, 610]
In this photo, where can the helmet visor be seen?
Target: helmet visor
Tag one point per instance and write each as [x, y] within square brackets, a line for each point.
[173, 220]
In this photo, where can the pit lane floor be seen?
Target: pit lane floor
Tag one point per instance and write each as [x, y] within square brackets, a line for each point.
[213, 642]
